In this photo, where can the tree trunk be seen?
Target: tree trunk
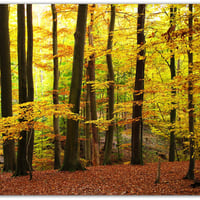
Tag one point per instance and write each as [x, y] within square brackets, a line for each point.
[21, 155]
[88, 117]
[6, 86]
[118, 134]
[173, 94]
[93, 110]
[71, 162]
[30, 96]
[158, 172]
[111, 100]
[137, 130]
[190, 173]
[57, 164]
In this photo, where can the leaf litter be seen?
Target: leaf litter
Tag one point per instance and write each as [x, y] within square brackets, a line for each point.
[105, 180]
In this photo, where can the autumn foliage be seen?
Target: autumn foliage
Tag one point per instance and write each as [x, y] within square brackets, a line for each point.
[169, 40]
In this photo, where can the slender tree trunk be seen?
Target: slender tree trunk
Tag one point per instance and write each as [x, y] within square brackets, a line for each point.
[111, 100]
[21, 154]
[158, 172]
[190, 173]
[173, 94]
[71, 162]
[88, 117]
[93, 110]
[137, 124]
[30, 96]
[30, 89]
[6, 86]
[118, 134]
[57, 164]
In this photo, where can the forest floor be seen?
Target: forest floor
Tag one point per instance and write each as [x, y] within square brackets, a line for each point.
[105, 180]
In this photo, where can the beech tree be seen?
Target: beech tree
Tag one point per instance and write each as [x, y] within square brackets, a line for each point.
[26, 88]
[22, 167]
[6, 86]
[30, 84]
[93, 110]
[137, 124]
[190, 173]
[88, 142]
[57, 164]
[30, 94]
[173, 92]
[111, 100]
[71, 162]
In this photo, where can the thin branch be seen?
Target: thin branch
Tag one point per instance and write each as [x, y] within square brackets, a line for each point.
[163, 57]
[161, 113]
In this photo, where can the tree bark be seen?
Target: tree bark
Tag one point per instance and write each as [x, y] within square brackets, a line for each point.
[137, 124]
[111, 100]
[6, 86]
[190, 173]
[118, 134]
[30, 85]
[87, 125]
[57, 163]
[173, 94]
[21, 154]
[93, 110]
[30, 96]
[71, 162]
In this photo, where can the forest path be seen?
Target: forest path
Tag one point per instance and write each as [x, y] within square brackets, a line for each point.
[105, 180]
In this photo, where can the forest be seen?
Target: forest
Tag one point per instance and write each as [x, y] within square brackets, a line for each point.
[99, 99]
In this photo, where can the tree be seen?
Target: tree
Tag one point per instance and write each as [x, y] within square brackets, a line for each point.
[71, 163]
[93, 110]
[30, 85]
[190, 173]
[88, 141]
[137, 124]
[173, 93]
[30, 95]
[57, 164]
[6, 86]
[111, 100]
[22, 167]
